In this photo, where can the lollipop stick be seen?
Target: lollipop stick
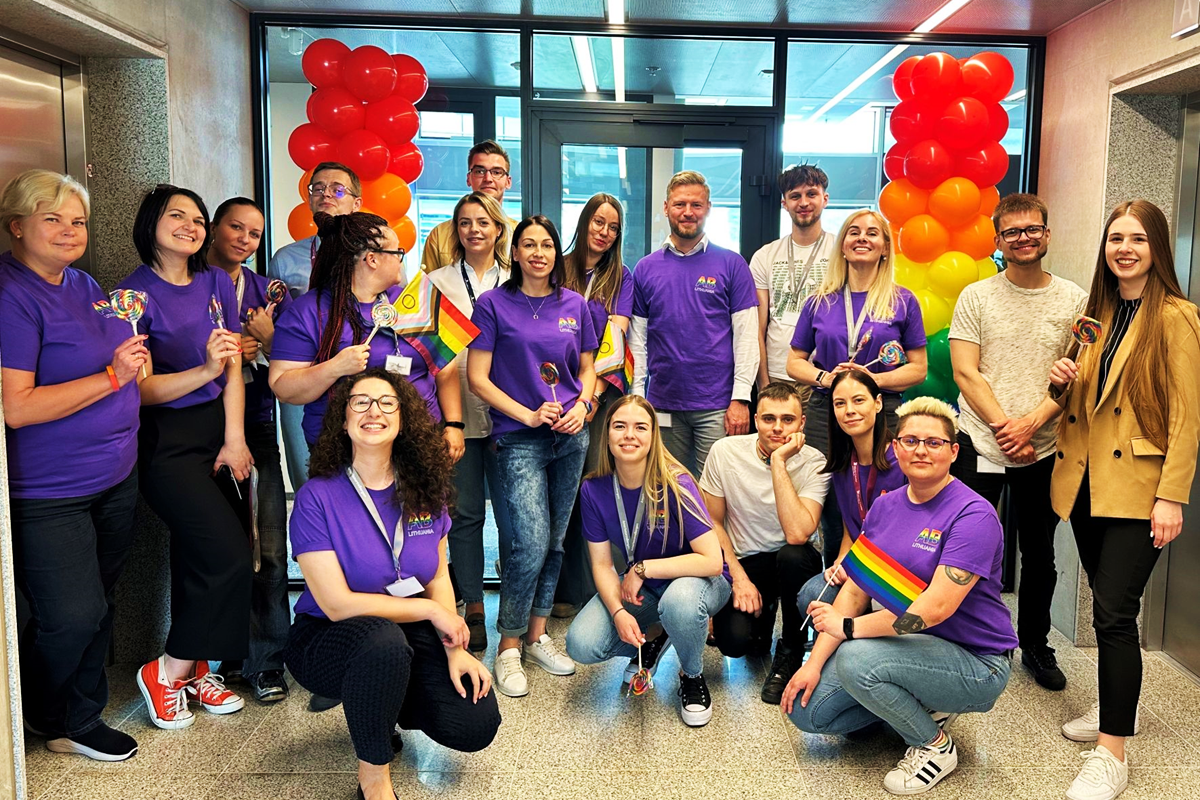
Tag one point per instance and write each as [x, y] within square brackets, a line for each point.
[133, 322]
[554, 394]
[828, 583]
[374, 331]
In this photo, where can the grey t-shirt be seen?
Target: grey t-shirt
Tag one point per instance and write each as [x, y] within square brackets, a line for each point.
[780, 276]
[1020, 333]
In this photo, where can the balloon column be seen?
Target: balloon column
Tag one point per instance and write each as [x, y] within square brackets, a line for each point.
[361, 113]
[943, 170]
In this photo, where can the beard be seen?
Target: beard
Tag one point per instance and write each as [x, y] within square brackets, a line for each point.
[800, 222]
[677, 231]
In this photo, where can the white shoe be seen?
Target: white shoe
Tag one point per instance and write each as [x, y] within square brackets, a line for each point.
[943, 719]
[545, 654]
[1103, 776]
[921, 769]
[1087, 727]
[510, 675]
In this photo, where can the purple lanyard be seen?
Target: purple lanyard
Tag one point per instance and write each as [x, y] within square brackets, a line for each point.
[864, 503]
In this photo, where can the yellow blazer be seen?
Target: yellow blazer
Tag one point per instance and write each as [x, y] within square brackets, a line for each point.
[1127, 471]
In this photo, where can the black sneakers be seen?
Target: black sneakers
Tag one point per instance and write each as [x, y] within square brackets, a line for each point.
[1044, 666]
[269, 686]
[783, 667]
[695, 703]
[651, 653]
[477, 625]
[101, 743]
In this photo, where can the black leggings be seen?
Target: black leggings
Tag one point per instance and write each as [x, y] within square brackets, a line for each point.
[387, 674]
[777, 575]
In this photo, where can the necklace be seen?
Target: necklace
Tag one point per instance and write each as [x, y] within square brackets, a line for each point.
[763, 456]
[539, 308]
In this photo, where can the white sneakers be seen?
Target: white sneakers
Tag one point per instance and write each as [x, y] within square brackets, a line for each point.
[1103, 776]
[544, 653]
[1087, 727]
[510, 678]
[921, 769]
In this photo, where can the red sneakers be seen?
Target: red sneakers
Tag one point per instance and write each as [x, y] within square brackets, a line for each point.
[209, 688]
[165, 700]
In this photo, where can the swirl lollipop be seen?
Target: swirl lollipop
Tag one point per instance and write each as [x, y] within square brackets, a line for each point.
[276, 291]
[215, 312]
[549, 374]
[642, 682]
[383, 315]
[1086, 330]
[891, 354]
[125, 304]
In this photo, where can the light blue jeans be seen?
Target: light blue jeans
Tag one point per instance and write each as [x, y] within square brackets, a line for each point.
[684, 605]
[896, 679]
[295, 449]
[692, 434]
[539, 474]
[477, 465]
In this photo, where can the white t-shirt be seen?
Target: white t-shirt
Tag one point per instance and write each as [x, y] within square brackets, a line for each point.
[771, 270]
[1020, 333]
[735, 472]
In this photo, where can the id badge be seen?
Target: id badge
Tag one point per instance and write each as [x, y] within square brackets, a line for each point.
[789, 318]
[406, 587]
[985, 467]
[247, 375]
[664, 419]
[401, 365]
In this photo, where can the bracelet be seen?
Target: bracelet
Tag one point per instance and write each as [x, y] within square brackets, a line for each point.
[618, 611]
[112, 378]
[453, 423]
[820, 377]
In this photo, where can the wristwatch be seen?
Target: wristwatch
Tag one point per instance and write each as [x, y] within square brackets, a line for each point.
[821, 377]
[586, 404]
[639, 569]
[453, 423]
[848, 628]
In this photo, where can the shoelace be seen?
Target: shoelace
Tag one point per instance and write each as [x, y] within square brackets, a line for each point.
[175, 701]
[1098, 768]
[209, 688]
[784, 664]
[550, 649]
[693, 691]
[508, 663]
[914, 759]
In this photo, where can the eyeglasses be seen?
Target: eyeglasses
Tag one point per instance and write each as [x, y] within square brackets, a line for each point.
[1034, 232]
[361, 403]
[496, 172]
[598, 225]
[336, 189]
[398, 253]
[933, 443]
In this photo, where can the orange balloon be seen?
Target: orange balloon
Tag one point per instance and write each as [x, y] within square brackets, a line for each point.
[406, 232]
[976, 239]
[300, 222]
[388, 196]
[305, 180]
[988, 200]
[954, 202]
[923, 238]
[900, 201]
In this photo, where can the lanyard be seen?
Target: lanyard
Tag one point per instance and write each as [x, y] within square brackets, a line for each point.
[386, 331]
[853, 326]
[587, 291]
[864, 503]
[396, 542]
[793, 287]
[467, 281]
[630, 536]
[241, 288]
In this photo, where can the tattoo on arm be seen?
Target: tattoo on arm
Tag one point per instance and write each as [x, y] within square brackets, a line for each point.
[959, 576]
[908, 623]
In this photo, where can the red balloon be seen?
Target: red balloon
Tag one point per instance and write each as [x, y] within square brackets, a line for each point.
[365, 153]
[394, 119]
[997, 127]
[309, 145]
[913, 120]
[928, 164]
[407, 162]
[902, 77]
[984, 167]
[964, 123]
[322, 62]
[987, 77]
[336, 110]
[411, 79]
[893, 162]
[369, 73]
[936, 77]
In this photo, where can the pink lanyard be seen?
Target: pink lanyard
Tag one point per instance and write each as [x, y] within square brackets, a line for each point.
[864, 503]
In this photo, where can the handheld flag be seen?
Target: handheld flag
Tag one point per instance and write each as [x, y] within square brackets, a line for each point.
[614, 359]
[881, 576]
[432, 324]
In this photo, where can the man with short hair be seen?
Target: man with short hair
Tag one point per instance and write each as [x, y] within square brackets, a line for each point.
[787, 270]
[764, 492]
[693, 332]
[1007, 331]
[333, 189]
[488, 169]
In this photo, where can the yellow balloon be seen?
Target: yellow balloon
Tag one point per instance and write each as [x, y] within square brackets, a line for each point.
[935, 312]
[910, 274]
[987, 268]
[951, 272]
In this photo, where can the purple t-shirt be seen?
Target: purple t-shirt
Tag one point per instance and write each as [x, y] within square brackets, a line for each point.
[622, 305]
[601, 523]
[329, 515]
[298, 338]
[53, 332]
[821, 330]
[843, 489]
[178, 322]
[958, 528]
[260, 400]
[520, 345]
[688, 303]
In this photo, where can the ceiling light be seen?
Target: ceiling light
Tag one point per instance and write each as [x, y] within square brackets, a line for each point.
[941, 15]
[583, 59]
[616, 12]
[616, 16]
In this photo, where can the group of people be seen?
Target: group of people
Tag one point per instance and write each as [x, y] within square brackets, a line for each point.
[691, 511]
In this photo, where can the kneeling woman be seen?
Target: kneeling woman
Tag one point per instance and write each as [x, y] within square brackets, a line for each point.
[951, 650]
[676, 576]
[377, 626]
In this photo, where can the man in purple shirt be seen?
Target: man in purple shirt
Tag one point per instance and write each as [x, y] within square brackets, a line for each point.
[694, 330]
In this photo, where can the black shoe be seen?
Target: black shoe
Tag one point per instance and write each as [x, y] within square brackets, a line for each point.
[783, 667]
[651, 653]
[760, 646]
[1044, 666]
[101, 743]
[477, 625]
[231, 671]
[695, 703]
[361, 796]
[397, 742]
[269, 686]
[317, 703]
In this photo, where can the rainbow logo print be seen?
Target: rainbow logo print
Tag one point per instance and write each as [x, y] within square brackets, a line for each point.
[707, 284]
[881, 576]
[568, 325]
[658, 519]
[928, 540]
[420, 524]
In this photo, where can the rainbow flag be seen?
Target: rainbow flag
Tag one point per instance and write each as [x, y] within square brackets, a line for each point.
[431, 323]
[614, 359]
[881, 576]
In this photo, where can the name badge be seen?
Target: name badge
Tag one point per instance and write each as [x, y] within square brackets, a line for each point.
[247, 375]
[401, 365]
[404, 588]
[664, 420]
[789, 318]
[985, 467]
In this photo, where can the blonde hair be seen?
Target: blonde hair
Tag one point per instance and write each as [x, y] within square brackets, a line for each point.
[929, 407]
[883, 294]
[32, 188]
[496, 214]
[688, 177]
[662, 472]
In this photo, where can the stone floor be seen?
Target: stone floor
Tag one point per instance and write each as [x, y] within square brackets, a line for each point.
[580, 737]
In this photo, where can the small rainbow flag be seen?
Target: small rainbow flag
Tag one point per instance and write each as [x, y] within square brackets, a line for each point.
[881, 576]
[614, 359]
[432, 324]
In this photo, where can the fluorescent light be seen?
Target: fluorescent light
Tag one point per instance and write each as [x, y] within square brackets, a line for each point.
[1014, 97]
[859, 81]
[583, 59]
[940, 16]
[616, 12]
[618, 51]
[622, 167]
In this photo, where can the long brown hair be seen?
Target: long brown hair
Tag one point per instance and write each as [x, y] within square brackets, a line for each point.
[1149, 373]
[344, 239]
[610, 270]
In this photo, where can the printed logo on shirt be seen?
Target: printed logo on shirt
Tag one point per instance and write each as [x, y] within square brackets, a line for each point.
[928, 540]
[659, 519]
[568, 325]
[420, 524]
[706, 284]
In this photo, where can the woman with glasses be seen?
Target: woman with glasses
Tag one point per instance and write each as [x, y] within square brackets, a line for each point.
[947, 652]
[376, 626]
[1127, 444]
[323, 336]
[532, 364]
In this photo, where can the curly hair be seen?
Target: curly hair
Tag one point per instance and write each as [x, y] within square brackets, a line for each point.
[419, 453]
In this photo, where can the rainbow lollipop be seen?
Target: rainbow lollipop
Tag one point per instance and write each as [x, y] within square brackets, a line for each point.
[276, 291]
[642, 682]
[126, 304]
[891, 354]
[1086, 330]
[383, 315]
[215, 312]
[549, 374]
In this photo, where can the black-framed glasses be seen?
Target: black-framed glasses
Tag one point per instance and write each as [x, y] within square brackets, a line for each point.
[496, 172]
[361, 403]
[398, 253]
[336, 189]
[1033, 232]
[932, 443]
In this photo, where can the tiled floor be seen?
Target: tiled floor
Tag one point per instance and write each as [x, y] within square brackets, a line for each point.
[579, 737]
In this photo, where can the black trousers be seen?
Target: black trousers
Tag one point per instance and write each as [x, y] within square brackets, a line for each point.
[68, 554]
[387, 674]
[778, 576]
[211, 571]
[1118, 556]
[1035, 523]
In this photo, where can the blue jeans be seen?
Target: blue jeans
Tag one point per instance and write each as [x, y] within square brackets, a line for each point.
[684, 605]
[466, 535]
[295, 448]
[895, 679]
[811, 590]
[270, 616]
[692, 434]
[540, 471]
